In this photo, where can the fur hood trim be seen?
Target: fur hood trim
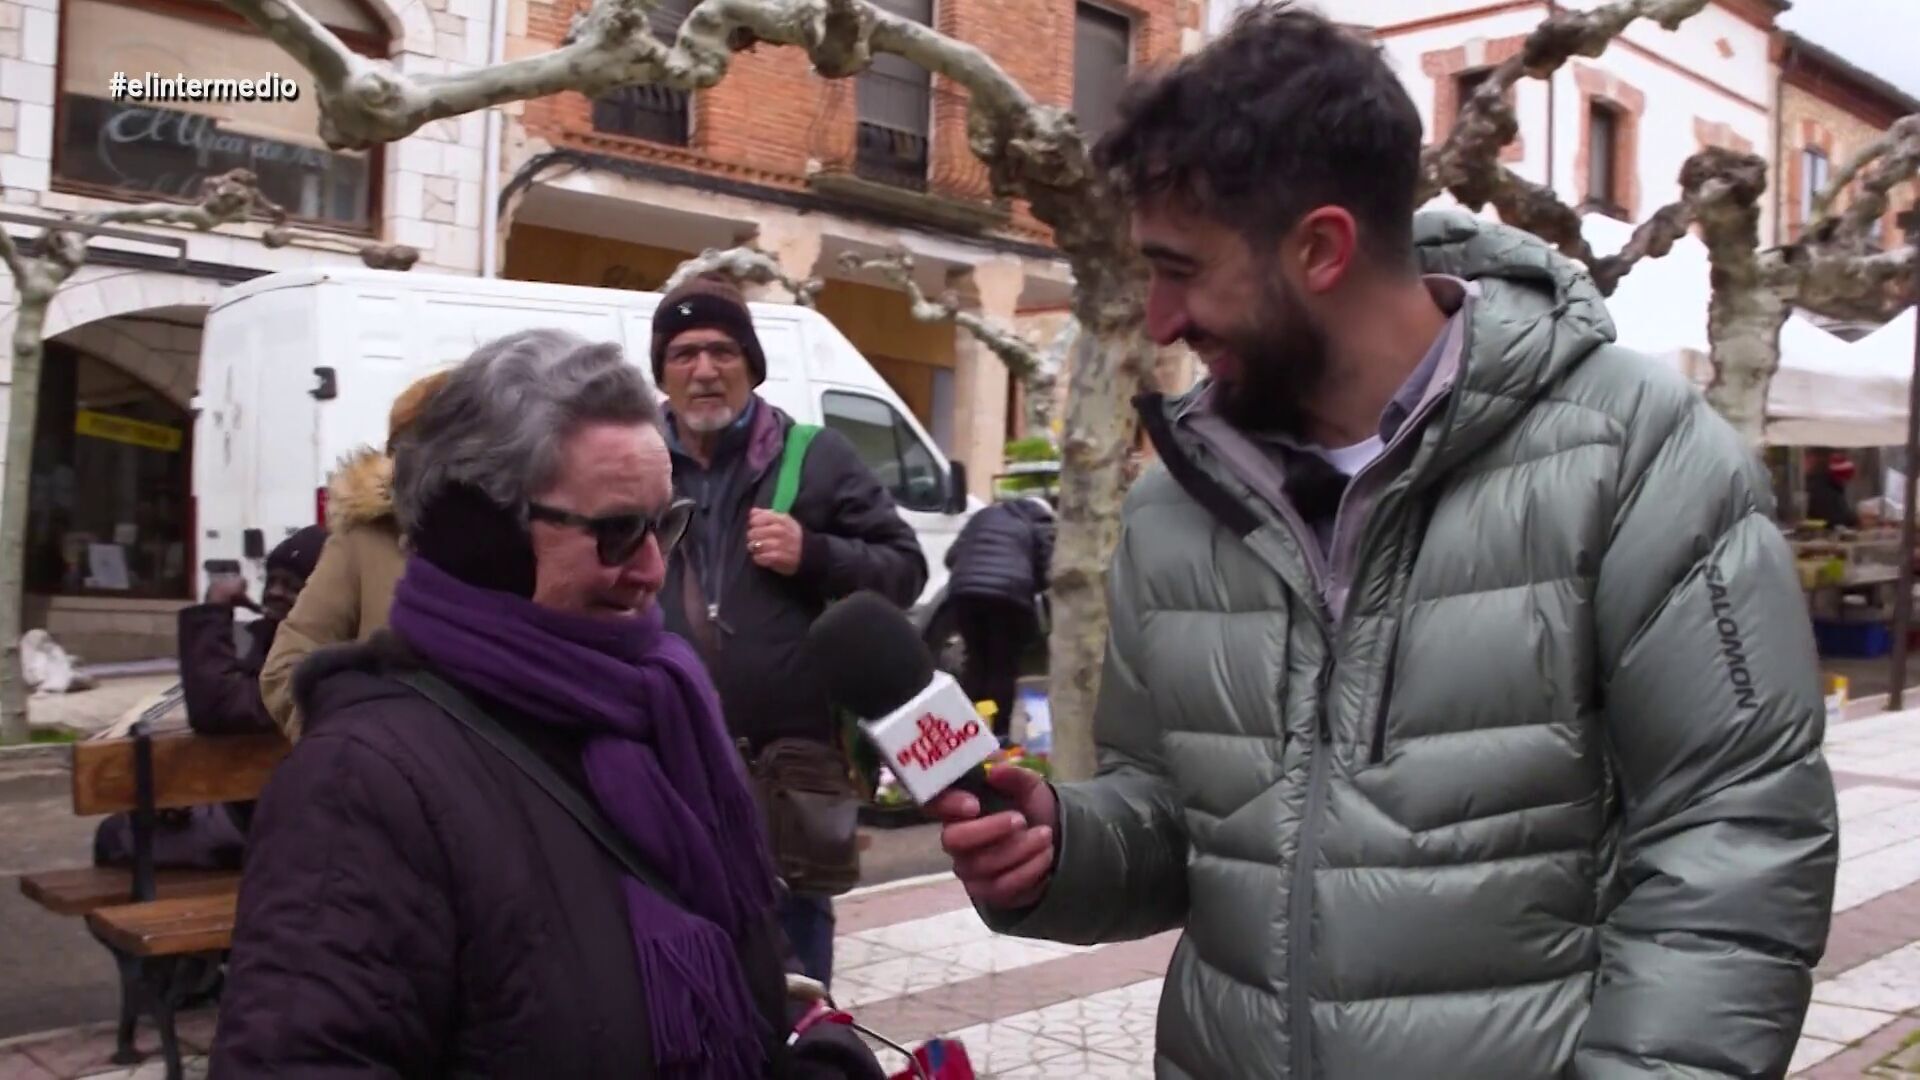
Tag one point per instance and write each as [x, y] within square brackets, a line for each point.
[360, 491]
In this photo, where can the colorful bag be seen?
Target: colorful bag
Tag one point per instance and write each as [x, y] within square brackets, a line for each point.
[939, 1059]
[935, 1059]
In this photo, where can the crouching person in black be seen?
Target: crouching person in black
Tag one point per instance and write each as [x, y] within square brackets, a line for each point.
[220, 681]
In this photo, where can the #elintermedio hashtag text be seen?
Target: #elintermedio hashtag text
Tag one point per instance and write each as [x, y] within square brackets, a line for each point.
[152, 86]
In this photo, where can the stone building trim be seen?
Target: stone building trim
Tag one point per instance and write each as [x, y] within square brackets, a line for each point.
[1707, 133]
[1445, 66]
[98, 292]
[1629, 104]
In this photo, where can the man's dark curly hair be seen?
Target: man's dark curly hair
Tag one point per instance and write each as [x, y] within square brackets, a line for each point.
[1286, 112]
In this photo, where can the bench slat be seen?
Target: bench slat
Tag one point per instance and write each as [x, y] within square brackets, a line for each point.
[78, 891]
[188, 770]
[189, 924]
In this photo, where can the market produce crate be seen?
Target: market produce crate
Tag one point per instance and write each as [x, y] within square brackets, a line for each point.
[1856, 640]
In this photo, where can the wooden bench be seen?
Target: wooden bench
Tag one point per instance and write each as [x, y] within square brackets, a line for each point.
[167, 928]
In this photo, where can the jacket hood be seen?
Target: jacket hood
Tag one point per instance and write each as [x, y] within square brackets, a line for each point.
[1537, 316]
[360, 491]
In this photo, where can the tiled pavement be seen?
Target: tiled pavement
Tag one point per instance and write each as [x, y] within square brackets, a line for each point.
[913, 960]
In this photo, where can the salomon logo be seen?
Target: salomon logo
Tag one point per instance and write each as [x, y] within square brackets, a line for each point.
[1738, 672]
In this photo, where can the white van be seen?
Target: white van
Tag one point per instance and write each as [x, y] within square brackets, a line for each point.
[299, 368]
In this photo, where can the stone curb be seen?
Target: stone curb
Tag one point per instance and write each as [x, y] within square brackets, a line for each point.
[37, 759]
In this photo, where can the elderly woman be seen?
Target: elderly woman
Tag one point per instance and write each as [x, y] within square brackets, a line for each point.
[418, 901]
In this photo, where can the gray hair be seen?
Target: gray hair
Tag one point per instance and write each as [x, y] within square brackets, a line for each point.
[498, 421]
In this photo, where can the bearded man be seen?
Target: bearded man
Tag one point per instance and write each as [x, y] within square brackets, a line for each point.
[1460, 702]
[748, 579]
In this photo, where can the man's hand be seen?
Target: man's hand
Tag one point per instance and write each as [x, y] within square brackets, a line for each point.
[1003, 860]
[773, 541]
[228, 590]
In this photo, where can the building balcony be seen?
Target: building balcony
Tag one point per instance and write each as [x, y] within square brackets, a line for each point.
[655, 113]
[898, 143]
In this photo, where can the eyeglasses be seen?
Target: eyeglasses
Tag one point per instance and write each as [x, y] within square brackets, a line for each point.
[723, 352]
[617, 536]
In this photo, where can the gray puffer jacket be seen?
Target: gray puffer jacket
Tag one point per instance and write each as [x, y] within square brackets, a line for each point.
[1547, 801]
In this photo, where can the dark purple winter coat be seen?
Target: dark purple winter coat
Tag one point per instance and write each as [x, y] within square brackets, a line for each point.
[414, 906]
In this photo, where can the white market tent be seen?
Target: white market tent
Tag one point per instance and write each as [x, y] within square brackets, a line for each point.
[1827, 392]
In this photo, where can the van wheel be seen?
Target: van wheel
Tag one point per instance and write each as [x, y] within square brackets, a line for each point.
[944, 642]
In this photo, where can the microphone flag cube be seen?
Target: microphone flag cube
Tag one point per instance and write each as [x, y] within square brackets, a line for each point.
[932, 740]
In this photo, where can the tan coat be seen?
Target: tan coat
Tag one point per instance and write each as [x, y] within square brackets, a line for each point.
[351, 590]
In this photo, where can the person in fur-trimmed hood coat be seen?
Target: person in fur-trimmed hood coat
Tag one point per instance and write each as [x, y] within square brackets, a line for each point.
[350, 591]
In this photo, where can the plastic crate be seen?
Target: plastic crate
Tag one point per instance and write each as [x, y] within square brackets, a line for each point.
[1854, 640]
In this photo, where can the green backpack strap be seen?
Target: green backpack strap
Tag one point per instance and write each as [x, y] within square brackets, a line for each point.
[787, 487]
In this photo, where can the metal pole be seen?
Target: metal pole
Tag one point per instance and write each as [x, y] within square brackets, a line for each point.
[1903, 594]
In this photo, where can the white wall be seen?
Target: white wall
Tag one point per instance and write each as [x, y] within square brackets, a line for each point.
[1683, 75]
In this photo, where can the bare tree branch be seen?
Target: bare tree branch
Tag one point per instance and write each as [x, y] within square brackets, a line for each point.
[1888, 161]
[373, 256]
[1831, 269]
[224, 199]
[1021, 356]
[1652, 240]
[1870, 287]
[745, 264]
[1467, 163]
[365, 101]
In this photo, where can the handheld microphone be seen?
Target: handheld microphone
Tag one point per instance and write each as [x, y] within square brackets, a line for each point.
[925, 727]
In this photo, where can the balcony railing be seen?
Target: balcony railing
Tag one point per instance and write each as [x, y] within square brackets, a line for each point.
[898, 133]
[891, 140]
[655, 113]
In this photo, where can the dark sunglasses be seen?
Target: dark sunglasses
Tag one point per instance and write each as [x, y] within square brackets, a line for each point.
[617, 536]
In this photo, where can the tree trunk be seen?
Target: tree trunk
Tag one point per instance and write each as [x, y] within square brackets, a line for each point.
[23, 406]
[1744, 327]
[1106, 370]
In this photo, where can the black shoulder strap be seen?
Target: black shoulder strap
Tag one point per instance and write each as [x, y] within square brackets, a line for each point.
[476, 720]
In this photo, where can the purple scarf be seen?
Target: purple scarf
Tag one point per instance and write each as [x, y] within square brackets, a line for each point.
[662, 770]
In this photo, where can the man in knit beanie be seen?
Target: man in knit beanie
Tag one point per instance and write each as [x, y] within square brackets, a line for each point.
[747, 580]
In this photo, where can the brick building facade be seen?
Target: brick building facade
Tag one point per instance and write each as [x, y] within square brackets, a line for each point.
[1829, 111]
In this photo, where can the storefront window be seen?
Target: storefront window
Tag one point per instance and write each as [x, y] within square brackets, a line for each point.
[147, 150]
[108, 510]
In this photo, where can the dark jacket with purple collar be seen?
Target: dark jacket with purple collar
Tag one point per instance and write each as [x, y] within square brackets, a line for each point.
[415, 906]
[749, 623]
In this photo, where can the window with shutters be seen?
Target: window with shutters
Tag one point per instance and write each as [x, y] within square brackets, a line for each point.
[1604, 186]
[655, 113]
[1815, 172]
[1466, 84]
[894, 100]
[1102, 49]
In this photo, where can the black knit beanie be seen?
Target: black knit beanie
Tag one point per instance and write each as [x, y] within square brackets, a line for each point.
[299, 553]
[464, 533]
[706, 303]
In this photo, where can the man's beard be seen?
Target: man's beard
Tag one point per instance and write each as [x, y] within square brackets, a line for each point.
[1282, 359]
[708, 419]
